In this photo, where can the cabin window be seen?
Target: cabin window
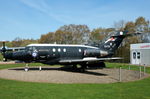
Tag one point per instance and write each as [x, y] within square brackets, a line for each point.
[64, 50]
[54, 50]
[79, 50]
[59, 50]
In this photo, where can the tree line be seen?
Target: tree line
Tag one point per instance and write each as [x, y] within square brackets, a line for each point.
[81, 34]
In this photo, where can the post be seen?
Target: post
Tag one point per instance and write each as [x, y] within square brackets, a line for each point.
[26, 68]
[140, 72]
[144, 69]
[120, 75]
[129, 67]
[40, 68]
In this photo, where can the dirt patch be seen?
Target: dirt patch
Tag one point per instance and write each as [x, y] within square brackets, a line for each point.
[65, 75]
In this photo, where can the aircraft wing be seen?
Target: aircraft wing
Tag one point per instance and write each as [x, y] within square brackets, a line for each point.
[87, 60]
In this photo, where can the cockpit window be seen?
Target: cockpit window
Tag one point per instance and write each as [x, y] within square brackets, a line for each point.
[29, 48]
[33, 48]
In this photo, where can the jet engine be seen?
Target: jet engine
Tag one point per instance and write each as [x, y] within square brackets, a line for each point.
[95, 53]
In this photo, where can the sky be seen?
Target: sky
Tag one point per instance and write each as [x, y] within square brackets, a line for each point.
[32, 18]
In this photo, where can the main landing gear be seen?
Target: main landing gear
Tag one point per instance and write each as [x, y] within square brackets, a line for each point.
[80, 68]
[84, 66]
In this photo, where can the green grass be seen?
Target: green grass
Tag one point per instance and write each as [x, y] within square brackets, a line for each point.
[1, 57]
[3, 66]
[10, 89]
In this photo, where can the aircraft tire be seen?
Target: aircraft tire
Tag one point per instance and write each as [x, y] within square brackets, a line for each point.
[102, 64]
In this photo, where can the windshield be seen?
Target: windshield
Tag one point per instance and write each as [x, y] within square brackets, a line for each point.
[29, 48]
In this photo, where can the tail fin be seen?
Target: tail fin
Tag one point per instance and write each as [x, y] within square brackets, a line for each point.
[113, 42]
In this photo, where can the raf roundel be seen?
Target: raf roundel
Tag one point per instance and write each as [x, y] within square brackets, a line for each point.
[34, 54]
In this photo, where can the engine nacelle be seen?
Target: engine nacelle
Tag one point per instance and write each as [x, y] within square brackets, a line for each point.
[95, 53]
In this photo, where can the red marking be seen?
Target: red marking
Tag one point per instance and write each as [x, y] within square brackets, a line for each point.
[145, 46]
[112, 39]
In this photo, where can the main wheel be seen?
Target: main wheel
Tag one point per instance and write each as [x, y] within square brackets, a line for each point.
[97, 65]
[75, 67]
[83, 67]
[102, 64]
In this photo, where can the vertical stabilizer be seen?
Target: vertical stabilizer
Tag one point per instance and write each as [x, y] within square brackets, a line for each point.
[113, 42]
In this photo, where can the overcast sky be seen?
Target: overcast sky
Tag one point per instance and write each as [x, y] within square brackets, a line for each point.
[31, 18]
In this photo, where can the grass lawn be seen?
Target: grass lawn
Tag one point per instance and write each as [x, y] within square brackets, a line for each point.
[10, 89]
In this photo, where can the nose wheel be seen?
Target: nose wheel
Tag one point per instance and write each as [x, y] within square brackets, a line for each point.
[4, 59]
[3, 51]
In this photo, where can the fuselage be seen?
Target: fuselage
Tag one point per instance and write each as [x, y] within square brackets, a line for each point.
[52, 53]
[59, 51]
[67, 54]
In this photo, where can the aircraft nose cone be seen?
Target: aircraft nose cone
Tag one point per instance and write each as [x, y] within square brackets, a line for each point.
[19, 55]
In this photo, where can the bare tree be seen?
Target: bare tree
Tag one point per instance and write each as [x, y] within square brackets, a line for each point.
[120, 25]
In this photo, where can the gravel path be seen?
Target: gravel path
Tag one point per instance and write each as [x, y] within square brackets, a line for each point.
[62, 75]
[10, 62]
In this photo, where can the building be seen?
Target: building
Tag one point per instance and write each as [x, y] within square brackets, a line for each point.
[140, 54]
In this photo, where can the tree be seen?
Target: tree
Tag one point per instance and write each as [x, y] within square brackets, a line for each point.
[120, 25]
[25, 42]
[78, 33]
[143, 26]
[7, 43]
[63, 37]
[97, 34]
[47, 38]
[17, 42]
[130, 27]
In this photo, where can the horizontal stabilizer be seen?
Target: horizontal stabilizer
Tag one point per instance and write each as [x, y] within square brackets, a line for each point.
[127, 35]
